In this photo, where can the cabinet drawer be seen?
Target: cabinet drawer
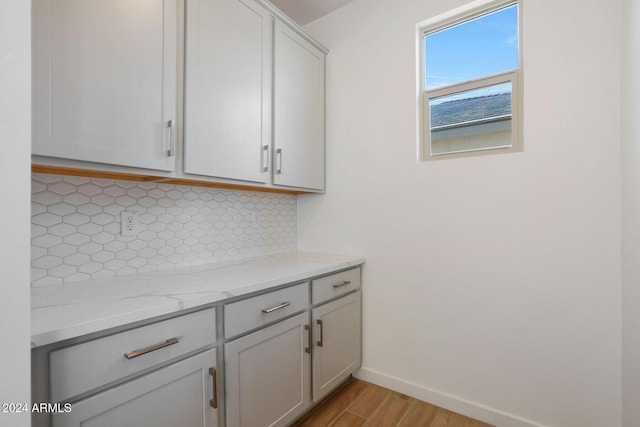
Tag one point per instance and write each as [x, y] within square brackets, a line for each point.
[335, 285]
[254, 312]
[83, 367]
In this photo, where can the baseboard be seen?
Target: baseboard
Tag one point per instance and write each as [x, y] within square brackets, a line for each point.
[444, 400]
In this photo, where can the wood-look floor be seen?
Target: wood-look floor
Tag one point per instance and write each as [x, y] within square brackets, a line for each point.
[359, 403]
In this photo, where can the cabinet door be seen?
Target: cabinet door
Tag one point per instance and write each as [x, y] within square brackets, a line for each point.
[337, 351]
[268, 375]
[228, 89]
[298, 111]
[177, 395]
[104, 81]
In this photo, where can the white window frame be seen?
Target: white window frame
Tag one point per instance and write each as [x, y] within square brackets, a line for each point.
[441, 22]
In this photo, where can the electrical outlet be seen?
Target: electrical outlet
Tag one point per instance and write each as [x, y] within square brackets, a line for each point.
[256, 218]
[129, 225]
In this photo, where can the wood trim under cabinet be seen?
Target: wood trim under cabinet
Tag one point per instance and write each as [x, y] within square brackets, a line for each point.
[58, 170]
[195, 183]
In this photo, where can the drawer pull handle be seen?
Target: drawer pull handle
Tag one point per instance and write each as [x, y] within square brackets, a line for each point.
[308, 329]
[279, 161]
[277, 307]
[136, 353]
[171, 152]
[321, 342]
[265, 158]
[340, 285]
[214, 402]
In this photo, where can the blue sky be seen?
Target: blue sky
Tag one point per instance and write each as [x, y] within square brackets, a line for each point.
[477, 48]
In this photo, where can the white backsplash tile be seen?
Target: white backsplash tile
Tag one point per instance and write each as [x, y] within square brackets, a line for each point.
[75, 232]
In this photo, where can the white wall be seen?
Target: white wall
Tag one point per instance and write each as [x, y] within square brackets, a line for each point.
[630, 215]
[15, 137]
[492, 284]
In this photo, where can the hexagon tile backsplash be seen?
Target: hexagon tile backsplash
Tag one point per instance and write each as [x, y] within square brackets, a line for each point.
[75, 227]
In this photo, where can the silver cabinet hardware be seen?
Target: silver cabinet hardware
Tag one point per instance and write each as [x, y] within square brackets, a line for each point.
[277, 307]
[137, 353]
[340, 285]
[308, 329]
[321, 342]
[214, 374]
[171, 151]
[265, 158]
[279, 161]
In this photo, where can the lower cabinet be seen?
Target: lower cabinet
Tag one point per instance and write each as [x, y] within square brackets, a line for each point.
[286, 362]
[268, 374]
[181, 394]
[284, 350]
[337, 349]
[162, 374]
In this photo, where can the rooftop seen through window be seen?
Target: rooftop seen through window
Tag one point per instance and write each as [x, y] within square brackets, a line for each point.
[470, 80]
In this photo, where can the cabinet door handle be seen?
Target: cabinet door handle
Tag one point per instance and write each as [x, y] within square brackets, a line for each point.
[265, 158]
[308, 329]
[137, 353]
[171, 151]
[277, 307]
[279, 160]
[214, 374]
[339, 285]
[321, 342]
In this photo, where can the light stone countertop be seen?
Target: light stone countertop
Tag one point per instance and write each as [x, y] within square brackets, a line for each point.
[70, 310]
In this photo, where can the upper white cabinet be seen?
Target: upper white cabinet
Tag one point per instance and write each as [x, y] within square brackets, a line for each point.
[107, 87]
[104, 81]
[228, 89]
[298, 110]
[232, 109]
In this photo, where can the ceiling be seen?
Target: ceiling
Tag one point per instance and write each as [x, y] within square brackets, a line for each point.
[305, 11]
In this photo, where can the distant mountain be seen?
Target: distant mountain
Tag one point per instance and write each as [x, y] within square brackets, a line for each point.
[465, 110]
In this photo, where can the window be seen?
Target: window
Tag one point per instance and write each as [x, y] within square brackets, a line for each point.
[470, 96]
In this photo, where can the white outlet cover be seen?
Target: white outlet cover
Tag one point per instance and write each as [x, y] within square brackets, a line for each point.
[129, 225]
